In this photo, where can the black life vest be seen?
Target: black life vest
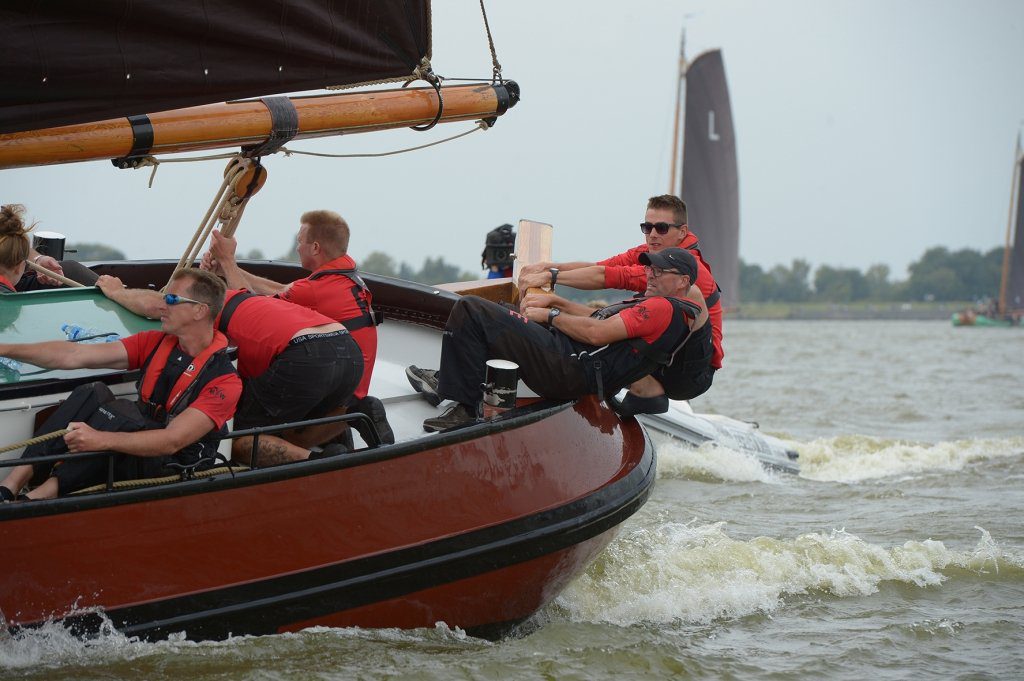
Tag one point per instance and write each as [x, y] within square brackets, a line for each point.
[169, 385]
[367, 316]
[713, 299]
[229, 309]
[618, 364]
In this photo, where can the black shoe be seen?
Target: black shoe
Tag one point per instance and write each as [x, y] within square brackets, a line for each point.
[373, 408]
[6, 494]
[631, 405]
[425, 383]
[456, 415]
[332, 449]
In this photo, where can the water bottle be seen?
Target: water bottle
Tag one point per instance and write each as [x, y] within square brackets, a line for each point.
[10, 364]
[74, 332]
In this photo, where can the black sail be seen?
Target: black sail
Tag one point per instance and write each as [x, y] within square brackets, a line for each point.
[77, 61]
[1015, 285]
[710, 177]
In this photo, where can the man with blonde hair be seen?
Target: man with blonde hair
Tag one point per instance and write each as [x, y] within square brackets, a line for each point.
[334, 289]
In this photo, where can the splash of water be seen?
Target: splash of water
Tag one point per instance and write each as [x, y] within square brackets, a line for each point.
[710, 461]
[853, 458]
[698, 573]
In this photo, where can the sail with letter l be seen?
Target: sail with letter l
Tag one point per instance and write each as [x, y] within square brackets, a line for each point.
[710, 183]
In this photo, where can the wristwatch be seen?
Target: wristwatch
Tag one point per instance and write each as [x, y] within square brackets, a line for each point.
[554, 276]
[552, 313]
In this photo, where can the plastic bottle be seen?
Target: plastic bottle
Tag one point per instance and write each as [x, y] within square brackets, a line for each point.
[74, 332]
[12, 364]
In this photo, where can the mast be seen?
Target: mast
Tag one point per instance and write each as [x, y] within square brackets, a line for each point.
[1015, 178]
[1013, 242]
[250, 122]
[681, 79]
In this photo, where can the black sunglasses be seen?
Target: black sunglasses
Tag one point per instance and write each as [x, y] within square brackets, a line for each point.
[660, 227]
[174, 299]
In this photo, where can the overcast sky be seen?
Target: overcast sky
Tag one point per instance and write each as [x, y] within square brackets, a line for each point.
[867, 131]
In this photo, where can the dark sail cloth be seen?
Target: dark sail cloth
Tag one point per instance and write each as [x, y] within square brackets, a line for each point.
[550, 363]
[95, 405]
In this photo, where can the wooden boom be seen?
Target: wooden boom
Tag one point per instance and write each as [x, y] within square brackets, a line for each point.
[248, 122]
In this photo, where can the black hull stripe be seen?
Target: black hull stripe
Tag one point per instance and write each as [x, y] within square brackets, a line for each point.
[266, 606]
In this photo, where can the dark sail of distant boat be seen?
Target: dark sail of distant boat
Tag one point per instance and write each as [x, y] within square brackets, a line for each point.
[68, 61]
[1011, 293]
[710, 184]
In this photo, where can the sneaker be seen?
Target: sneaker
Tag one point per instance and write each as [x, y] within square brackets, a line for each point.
[332, 449]
[374, 408]
[456, 415]
[424, 381]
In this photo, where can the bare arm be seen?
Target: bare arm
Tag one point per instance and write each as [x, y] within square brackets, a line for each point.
[222, 251]
[562, 267]
[67, 355]
[139, 300]
[186, 428]
[589, 278]
[584, 329]
[549, 300]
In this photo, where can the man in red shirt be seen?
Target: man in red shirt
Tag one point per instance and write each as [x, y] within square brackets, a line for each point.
[334, 289]
[664, 226]
[563, 356]
[188, 391]
[295, 364]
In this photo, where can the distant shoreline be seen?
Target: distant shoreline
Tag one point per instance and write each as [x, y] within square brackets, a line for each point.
[847, 311]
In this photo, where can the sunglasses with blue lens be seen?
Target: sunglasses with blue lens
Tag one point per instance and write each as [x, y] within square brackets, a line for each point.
[174, 299]
[660, 227]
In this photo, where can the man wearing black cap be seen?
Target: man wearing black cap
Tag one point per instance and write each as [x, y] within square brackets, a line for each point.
[563, 352]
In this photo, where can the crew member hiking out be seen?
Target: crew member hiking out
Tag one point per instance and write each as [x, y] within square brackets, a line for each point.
[563, 356]
[664, 226]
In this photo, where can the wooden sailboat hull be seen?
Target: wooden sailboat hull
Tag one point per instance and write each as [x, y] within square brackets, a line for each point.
[478, 527]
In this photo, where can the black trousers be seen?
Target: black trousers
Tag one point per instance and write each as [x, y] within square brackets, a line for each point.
[479, 330]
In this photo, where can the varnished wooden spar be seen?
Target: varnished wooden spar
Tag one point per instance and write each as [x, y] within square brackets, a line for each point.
[247, 122]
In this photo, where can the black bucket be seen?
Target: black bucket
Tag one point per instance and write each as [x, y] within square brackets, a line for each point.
[500, 385]
[49, 243]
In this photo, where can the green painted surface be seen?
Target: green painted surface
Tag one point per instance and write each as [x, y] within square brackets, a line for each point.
[39, 315]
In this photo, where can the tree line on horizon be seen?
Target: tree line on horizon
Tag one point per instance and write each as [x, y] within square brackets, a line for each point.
[939, 275]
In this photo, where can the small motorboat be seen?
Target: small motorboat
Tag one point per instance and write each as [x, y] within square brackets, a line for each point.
[683, 424]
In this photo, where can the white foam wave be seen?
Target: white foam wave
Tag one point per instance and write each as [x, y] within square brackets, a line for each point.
[709, 461]
[697, 573]
[853, 458]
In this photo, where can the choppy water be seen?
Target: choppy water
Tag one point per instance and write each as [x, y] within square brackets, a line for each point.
[897, 553]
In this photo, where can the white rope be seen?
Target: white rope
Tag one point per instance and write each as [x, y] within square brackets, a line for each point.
[153, 162]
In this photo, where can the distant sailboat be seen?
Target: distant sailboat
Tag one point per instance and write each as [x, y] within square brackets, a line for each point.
[710, 179]
[1010, 308]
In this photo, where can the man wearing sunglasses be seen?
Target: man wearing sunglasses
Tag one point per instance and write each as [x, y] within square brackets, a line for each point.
[334, 289]
[664, 227]
[188, 390]
[563, 352]
[295, 364]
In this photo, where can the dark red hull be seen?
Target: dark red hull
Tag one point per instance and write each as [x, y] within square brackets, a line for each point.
[478, 528]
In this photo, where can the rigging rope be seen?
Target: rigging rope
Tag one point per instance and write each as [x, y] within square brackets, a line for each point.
[152, 161]
[496, 67]
[35, 440]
